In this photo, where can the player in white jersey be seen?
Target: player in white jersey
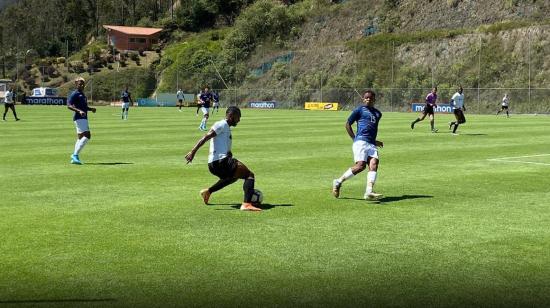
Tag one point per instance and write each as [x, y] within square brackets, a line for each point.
[179, 96]
[504, 105]
[9, 104]
[221, 162]
[457, 102]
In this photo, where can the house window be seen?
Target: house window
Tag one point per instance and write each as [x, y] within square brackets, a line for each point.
[132, 40]
[141, 40]
[154, 41]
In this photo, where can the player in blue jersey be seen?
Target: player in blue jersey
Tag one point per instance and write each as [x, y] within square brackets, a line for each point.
[365, 152]
[126, 97]
[205, 100]
[216, 98]
[78, 103]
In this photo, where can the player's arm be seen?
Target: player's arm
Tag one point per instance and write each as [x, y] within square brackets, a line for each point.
[92, 109]
[189, 156]
[379, 143]
[72, 107]
[349, 129]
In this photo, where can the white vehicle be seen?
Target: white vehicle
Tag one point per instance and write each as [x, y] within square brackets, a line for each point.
[44, 92]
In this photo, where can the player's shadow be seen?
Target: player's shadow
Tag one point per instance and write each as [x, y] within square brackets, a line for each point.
[473, 134]
[389, 199]
[237, 206]
[110, 164]
[45, 301]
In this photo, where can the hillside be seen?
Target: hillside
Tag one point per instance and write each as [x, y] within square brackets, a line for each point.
[321, 50]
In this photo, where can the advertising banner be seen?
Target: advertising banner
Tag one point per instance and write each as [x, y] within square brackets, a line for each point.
[45, 100]
[321, 106]
[441, 108]
[262, 104]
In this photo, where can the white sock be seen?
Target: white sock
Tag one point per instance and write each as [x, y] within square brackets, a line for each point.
[80, 145]
[371, 178]
[346, 176]
[76, 147]
[126, 114]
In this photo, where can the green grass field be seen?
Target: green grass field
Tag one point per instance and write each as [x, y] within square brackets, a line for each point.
[465, 220]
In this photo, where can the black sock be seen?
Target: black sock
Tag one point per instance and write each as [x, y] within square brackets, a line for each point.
[248, 188]
[454, 129]
[221, 184]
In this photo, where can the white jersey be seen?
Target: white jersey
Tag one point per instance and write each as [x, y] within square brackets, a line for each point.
[179, 95]
[505, 101]
[458, 100]
[221, 144]
[8, 99]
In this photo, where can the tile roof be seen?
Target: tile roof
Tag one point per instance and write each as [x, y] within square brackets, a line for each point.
[134, 30]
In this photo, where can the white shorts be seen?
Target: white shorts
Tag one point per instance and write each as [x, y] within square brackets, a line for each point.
[204, 110]
[81, 126]
[363, 150]
[125, 105]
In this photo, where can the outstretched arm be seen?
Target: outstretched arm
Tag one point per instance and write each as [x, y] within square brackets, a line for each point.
[189, 156]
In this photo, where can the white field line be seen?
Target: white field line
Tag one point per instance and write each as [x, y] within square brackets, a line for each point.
[507, 159]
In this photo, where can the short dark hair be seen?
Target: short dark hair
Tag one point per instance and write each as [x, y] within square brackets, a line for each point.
[369, 91]
[233, 110]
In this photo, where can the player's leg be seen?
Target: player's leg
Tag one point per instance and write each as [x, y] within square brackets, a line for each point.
[371, 176]
[84, 135]
[242, 172]
[6, 108]
[126, 112]
[460, 119]
[12, 106]
[420, 118]
[432, 123]
[360, 156]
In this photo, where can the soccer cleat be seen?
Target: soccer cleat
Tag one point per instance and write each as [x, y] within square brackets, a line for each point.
[336, 188]
[373, 196]
[454, 134]
[17, 119]
[75, 160]
[205, 195]
[435, 130]
[249, 207]
[412, 125]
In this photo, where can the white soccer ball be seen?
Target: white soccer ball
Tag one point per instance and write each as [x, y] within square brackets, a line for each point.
[257, 196]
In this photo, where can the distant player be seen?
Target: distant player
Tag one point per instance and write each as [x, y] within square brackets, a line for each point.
[504, 105]
[199, 102]
[221, 162]
[206, 100]
[216, 99]
[179, 96]
[9, 103]
[78, 103]
[126, 97]
[365, 152]
[431, 104]
[457, 102]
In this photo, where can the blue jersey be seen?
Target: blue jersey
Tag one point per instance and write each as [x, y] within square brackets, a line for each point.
[79, 101]
[125, 96]
[206, 98]
[367, 119]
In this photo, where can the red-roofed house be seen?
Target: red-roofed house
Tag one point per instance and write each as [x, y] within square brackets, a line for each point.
[132, 38]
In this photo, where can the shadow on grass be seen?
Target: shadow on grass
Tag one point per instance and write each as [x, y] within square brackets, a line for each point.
[473, 134]
[109, 164]
[390, 198]
[71, 300]
[237, 206]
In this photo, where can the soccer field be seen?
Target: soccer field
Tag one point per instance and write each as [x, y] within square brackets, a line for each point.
[465, 220]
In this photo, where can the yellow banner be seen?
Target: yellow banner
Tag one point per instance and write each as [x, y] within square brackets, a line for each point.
[321, 106]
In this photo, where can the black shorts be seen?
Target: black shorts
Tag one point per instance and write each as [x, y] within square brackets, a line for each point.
[223, 168]
[180, 101]
[459, 115]
[504, 107]
[428, 109]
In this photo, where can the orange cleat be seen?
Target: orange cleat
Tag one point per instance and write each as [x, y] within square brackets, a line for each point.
[205, 194]
[249, 207]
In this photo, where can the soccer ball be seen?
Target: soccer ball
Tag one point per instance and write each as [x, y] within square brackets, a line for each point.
[257, 196]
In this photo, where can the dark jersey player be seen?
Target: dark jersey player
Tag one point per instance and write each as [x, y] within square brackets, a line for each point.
[431, 104]
[221, 162]
[78, 103]
[365, 152]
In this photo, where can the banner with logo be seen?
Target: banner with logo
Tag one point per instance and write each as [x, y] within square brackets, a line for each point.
[29, 100]
[441, 108]
[321, 106]
[262, 104]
